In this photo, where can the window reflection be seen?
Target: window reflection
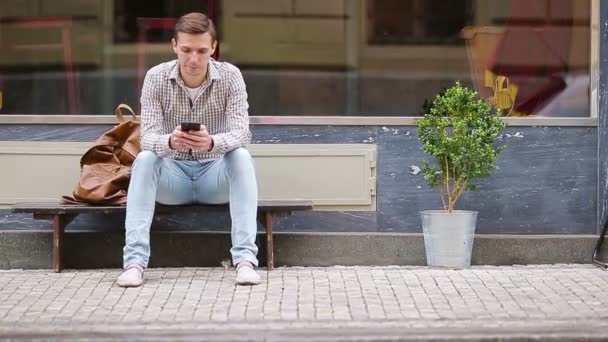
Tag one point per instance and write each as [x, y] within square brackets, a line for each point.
[126, 13]
[306, 57]
[537, 63]
[405, 22]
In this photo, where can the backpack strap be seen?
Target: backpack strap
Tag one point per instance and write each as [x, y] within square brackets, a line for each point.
[119, 115]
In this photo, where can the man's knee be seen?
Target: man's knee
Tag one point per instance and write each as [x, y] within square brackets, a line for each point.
[146, 158]
[145, 161]
[239, 155]
[239, 160]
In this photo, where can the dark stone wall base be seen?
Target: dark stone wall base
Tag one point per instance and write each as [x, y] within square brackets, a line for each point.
[86, 250]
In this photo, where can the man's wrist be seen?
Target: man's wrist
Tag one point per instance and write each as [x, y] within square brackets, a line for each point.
[170, 145]
[212, 145]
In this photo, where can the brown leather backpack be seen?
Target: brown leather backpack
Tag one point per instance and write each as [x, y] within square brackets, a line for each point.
[106, 167]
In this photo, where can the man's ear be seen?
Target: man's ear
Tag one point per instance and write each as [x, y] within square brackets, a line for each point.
[213, 47]
[174, 45]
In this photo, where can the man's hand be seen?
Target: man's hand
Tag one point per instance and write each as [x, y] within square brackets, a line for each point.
[194, 140]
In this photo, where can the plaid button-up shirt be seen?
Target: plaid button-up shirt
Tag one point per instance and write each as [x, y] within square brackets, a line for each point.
[221, 106]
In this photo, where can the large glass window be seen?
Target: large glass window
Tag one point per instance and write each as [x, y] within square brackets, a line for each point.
[305, 57]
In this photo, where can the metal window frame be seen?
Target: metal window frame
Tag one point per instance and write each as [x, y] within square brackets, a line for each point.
[293, 120]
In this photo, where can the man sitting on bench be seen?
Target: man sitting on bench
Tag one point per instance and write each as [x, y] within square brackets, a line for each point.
[202, 161]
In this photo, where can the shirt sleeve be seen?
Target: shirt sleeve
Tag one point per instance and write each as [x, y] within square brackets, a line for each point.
[237, 118]
[152, 136]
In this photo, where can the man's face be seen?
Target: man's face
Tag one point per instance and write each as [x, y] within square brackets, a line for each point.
[193, 52]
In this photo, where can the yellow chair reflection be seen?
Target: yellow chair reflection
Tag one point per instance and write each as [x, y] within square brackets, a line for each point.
[481, 43]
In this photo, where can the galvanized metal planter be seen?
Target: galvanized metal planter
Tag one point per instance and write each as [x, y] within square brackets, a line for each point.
[448, 237]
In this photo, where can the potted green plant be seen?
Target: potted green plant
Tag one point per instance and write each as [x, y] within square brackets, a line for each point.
[460, 130]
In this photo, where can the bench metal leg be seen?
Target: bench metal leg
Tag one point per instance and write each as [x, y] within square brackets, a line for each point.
[598, 246]
[60, 221]
[58, 229]
[269, 242]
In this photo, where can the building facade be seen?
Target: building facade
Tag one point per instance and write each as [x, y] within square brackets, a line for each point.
[335, 88]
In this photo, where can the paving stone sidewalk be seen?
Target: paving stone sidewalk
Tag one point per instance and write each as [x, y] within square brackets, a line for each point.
[334, 303]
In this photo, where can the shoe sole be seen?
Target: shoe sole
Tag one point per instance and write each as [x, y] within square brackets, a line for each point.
[130, 284]
[247, 282]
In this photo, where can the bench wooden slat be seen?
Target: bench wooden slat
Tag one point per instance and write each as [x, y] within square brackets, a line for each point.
[58, 208]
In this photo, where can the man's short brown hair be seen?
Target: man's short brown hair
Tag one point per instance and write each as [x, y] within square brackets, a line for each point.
[195, 23]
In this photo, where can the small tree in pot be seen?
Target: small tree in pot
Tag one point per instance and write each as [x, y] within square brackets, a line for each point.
[459, 130]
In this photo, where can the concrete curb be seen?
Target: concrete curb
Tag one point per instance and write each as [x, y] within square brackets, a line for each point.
[32, 249]
[402, 330]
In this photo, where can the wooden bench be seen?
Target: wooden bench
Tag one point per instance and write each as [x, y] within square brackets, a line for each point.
[62, 215]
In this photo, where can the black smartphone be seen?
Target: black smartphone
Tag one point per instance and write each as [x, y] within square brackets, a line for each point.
[190, 126]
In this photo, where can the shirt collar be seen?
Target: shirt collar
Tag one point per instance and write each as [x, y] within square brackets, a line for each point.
[213, 72]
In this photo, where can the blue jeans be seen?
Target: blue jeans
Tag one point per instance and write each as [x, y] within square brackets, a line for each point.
[230, 179]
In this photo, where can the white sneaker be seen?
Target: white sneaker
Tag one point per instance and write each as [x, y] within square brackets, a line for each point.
[131, 277]
[246, 275]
